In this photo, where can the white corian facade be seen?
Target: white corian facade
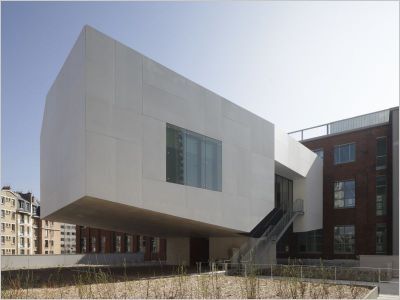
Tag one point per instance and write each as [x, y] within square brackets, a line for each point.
[103, 150]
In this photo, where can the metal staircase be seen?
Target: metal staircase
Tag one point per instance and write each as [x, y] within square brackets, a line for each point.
[256, 250]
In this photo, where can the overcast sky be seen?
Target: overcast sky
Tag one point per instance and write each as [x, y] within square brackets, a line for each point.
[296, 64]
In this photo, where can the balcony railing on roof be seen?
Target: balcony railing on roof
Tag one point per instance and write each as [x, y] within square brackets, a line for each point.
[367, 120]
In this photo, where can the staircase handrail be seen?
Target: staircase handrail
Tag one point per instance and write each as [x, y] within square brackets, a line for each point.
[280, 225]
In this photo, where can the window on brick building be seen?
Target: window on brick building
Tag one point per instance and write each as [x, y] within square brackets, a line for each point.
[83, 245]
[128, 243]
[381, 239]
[155, 245]
[93, 243]
[103, 244]
[344, 153]
[381, 194]
[381, 153]
[344, 239]
[118, 244]
[142, 244]
[344, 194]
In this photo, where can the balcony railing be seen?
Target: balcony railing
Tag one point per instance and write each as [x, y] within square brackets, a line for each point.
[24, 210]
[363, 121]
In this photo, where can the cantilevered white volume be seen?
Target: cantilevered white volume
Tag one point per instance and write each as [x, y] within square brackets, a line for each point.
[129, 145]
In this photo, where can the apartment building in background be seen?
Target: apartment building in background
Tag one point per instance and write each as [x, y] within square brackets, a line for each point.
[16, 222]
[360, 189]
[94, 240]
[9, 202]
[68, 238]
[24, 232]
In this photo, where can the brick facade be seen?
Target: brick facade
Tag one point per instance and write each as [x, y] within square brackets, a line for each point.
[363, 216]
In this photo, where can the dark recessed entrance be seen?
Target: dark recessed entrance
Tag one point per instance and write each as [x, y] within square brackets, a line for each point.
[199, 250]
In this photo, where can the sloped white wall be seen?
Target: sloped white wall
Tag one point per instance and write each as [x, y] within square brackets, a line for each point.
[62, 139]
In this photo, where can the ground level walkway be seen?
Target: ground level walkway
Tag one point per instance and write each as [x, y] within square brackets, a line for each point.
[389, 290]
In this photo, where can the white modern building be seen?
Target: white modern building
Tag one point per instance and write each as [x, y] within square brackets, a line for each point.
[129, 145]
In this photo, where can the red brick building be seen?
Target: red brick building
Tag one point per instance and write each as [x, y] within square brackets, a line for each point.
[360, 207]
[92, 240]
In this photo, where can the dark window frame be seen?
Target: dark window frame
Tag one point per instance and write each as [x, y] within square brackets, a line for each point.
[179, 158]
[338, 161]
[344, 243]
[344, 199]
[384, 201]
[385, 156]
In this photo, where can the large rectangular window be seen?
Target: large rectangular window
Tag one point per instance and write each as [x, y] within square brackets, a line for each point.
[344, 239]
[381, 238]
[381, 153]
[344, 194]
[381, 192]
[193, 159]
[345, 153]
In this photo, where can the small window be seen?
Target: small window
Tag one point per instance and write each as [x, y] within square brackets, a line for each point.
[344, 239]
[128, 243]
[93, 244]
[381, 195]
[103, 244]
[83, 245]
[155, 247]
[345, 153]
[381, 238]
[381, 153]
[142, 244]
[344, 194]
[118, 244]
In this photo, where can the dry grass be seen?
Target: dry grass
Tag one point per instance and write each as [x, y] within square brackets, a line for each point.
[97, 283]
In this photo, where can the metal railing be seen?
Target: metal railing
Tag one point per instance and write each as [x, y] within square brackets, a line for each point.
[263, 243]
[311, 272]
[249, 249]
[362, 121]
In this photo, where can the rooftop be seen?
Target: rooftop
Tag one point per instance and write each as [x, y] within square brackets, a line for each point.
[359, 122]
